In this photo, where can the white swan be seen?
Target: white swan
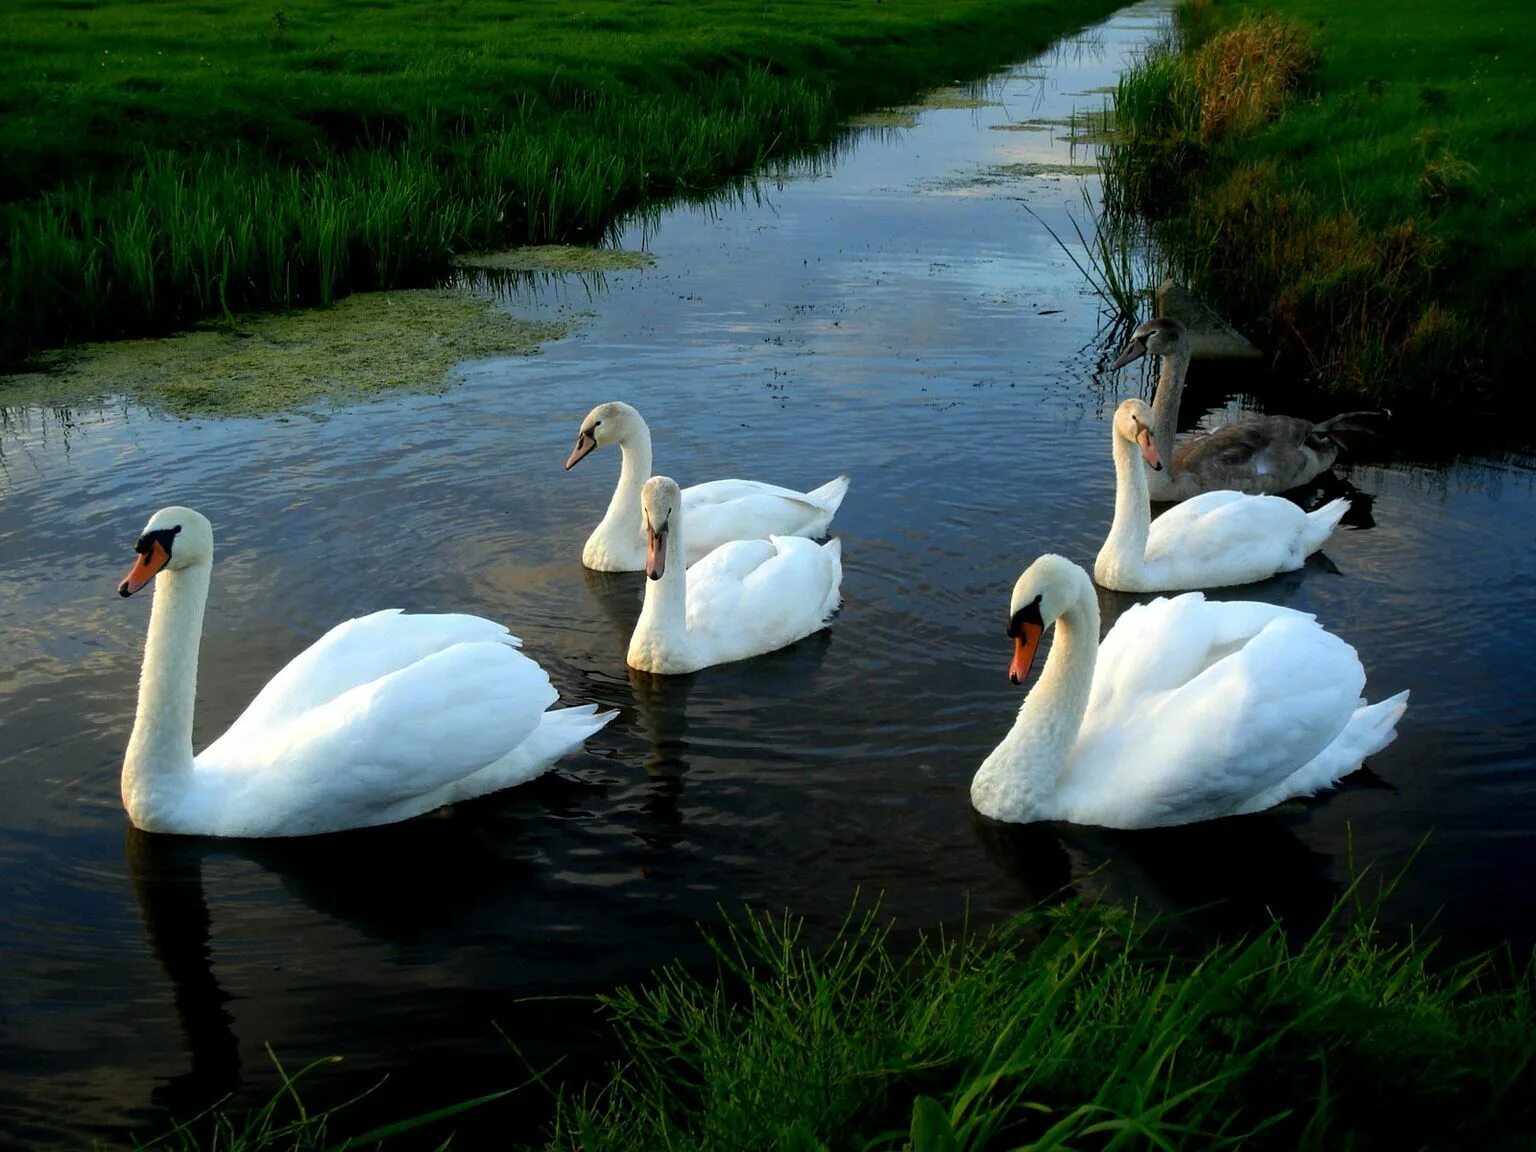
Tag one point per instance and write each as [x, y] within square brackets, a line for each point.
[1210, 541]
[1190, 709]
[745, 598]
[385, 717]
[1256, 455]
[718, 510]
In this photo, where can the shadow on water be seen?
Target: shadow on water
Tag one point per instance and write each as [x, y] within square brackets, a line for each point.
[1201, 882]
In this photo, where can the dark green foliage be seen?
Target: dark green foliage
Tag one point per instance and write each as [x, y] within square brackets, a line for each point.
[1069, 1028]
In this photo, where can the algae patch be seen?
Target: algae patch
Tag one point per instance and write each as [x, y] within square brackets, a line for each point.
[366, 344]
[1029, 126]
[555, 258]
[1000, 174]
[953, 98]
[905, 115]
[886, 118]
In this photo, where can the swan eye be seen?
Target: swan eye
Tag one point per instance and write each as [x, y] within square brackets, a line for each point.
[161, 536]
[1029, 614]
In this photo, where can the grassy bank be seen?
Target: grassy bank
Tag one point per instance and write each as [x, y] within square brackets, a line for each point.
[189, 159]
[1353, 182]
[1072, 1027]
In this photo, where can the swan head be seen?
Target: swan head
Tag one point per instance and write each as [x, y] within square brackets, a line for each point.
[1133, 422]
[660, 500]
[1161, 336]
[175, 538]
[1049, 586]
[610, 423]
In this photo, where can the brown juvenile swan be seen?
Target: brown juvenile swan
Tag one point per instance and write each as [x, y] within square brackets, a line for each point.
[1258, 455]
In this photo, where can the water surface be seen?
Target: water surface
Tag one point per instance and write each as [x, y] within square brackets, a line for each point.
[895, 314]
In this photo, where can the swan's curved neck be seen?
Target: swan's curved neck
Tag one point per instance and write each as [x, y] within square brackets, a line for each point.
[1165, 405]
[623, 516]
[663, 623]
[1018, 781]
[1125, 548]
[158, 763]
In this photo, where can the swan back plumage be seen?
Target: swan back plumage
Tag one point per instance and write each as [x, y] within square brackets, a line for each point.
[719, 510]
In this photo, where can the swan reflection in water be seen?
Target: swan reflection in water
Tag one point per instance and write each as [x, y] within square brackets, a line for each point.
[1215, 880]
[425, 889]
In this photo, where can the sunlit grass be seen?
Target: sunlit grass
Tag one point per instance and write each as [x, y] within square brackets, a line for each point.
[188, 159]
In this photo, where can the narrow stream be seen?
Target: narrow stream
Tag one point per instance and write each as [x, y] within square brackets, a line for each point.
[896, 314]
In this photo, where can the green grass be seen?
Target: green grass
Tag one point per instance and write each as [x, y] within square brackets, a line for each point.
[170, 162]
[1380, 221]
[1072, 1026]
[1068, 1028]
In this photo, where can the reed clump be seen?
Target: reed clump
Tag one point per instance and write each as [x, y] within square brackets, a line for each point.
[1069, 1027]
[1243, 77]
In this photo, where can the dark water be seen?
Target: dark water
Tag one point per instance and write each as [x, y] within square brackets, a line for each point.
[897, 315]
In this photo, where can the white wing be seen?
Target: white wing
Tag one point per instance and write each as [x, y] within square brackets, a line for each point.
[1247, 695]
[753, 596]
[376, 751]
[354, 652]
[720, 511]
[1226, 538]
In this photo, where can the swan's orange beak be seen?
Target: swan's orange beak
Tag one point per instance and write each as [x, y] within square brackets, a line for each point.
[1024, 646]
[151, 560]
[1149, 450]
[585, 442]
[656, 552]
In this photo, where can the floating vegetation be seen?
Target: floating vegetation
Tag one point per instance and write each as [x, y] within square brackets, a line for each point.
[1011, 174]
[367, 344]
[1020, 171]
[886, 118]
[949, 98]
[555, 258]
[1029, 126]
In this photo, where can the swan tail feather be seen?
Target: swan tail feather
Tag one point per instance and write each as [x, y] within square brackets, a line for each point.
[1322, 521]
[830, 495]
[1370, 729]
[560, 732]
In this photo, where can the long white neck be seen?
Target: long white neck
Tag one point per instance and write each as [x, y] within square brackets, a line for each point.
[622, 524]
[158, 764]
[1125, 548]
[1017, 782]
[663, 624]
